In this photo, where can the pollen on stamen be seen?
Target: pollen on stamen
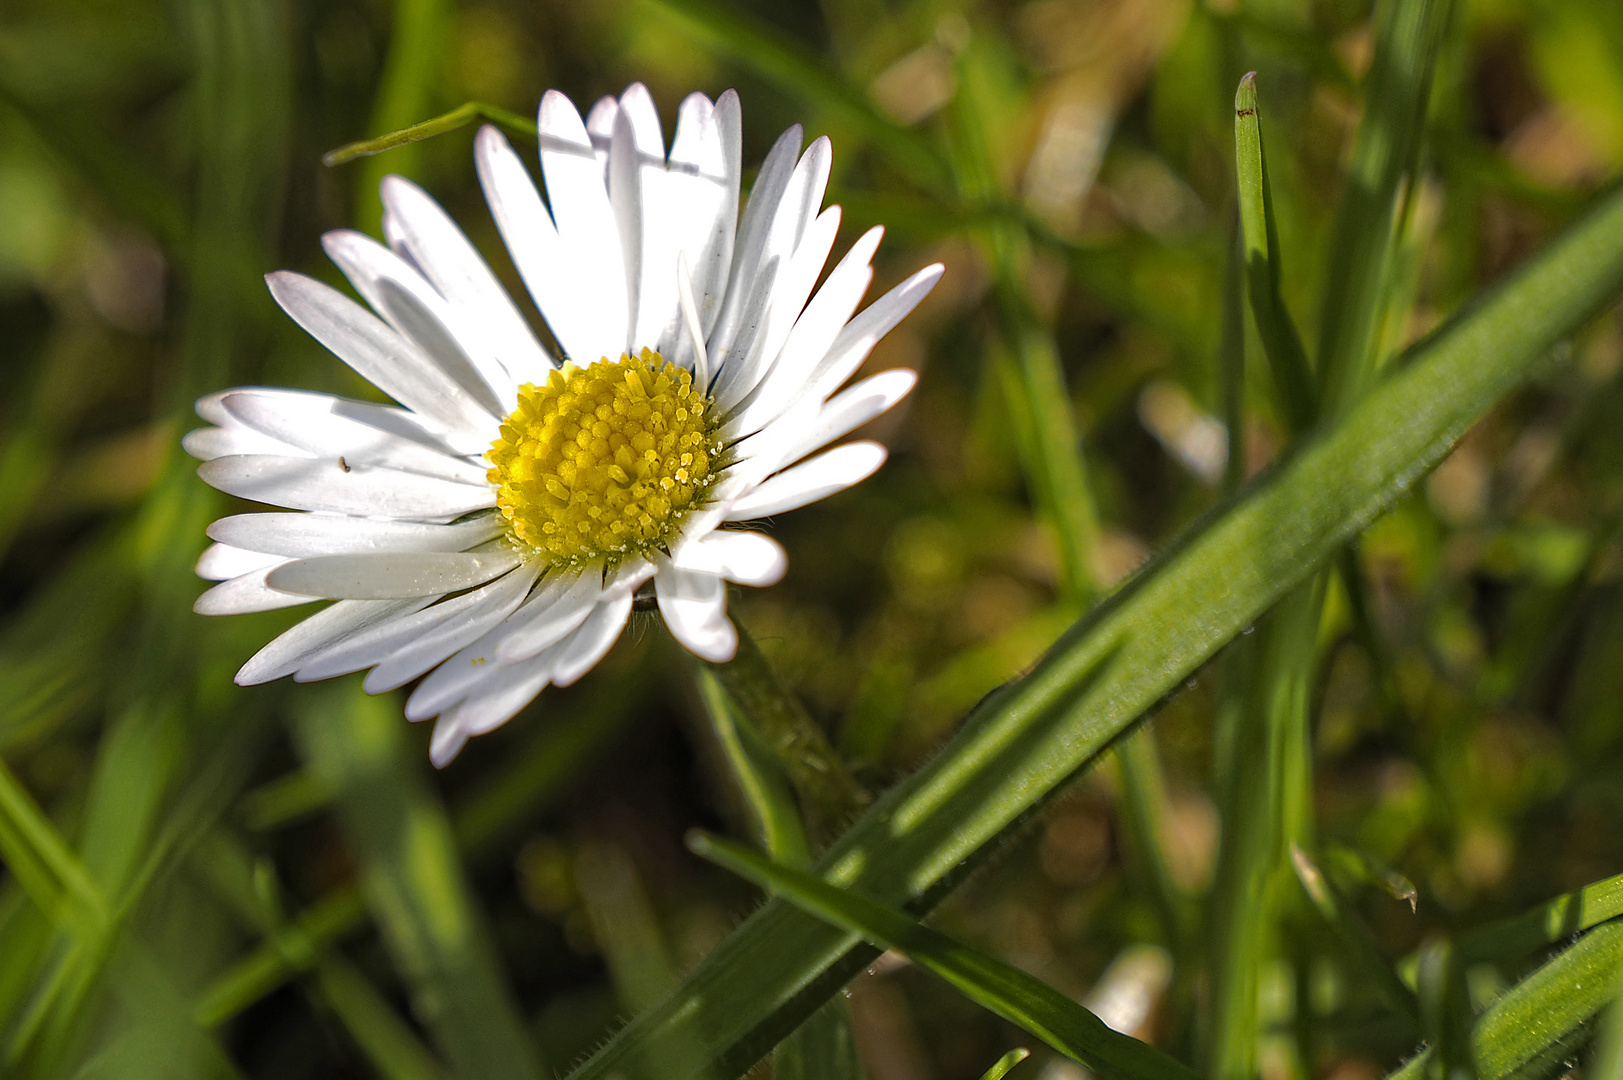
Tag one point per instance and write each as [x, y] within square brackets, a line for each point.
[603, 460]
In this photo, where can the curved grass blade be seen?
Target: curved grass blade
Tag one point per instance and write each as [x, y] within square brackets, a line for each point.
[1293, 377]
[461, 116]
[1008, 1061]
[918, 840]
[1007, 991]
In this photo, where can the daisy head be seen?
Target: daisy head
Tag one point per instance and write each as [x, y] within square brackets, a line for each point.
[493, 527]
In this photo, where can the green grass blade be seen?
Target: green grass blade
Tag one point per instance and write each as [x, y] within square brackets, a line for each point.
[411, 74]
[826, 788]
[1409, 35]
[1535, 1023]
[1293, 377]
[1606, 1063]
[804, 73]
[1007, 991]
[1354, 936]
[763, 786]
[824, 1047]
[1546, 924]
[1001, 1068]
[1202, 590]
[461, 116]
[414, 882]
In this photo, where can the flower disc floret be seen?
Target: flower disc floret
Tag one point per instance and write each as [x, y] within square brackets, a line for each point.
[603, 460]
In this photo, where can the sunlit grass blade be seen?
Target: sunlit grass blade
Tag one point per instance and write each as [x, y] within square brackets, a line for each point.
[1293, 376]
[1001, 1067]
[1606, 1061]
[1007, 991]
[732, 32]
[1397, 90]
[461, 116]
[414, 882]
[1537, 1022]
[1202, 590]
[1546, 924]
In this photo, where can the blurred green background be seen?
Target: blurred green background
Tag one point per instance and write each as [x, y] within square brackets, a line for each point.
[203, 880]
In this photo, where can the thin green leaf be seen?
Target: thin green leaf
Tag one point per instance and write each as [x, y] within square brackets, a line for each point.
[1546, 924]
[1007, 991]
[1536, 1022]
[1207, 586]
[1293, 377]
[461, 116]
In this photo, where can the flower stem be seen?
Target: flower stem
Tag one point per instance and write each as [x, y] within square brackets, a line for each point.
[826, 788]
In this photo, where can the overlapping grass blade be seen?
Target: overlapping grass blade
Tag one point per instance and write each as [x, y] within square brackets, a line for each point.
[1005, 990]
[1202, 590]
[1535, 1024]
[1001, 1067]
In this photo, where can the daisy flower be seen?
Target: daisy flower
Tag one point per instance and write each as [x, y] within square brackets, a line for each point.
[492, 529]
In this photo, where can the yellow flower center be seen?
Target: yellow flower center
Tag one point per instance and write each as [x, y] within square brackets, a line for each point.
[603, 460]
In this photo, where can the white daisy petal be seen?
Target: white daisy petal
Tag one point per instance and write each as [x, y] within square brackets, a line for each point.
[504, 694]
[792, 437]
[243, 594]
[206, 444]
[810, 481]
[809, 341]
[626, 197]
[581, 651]
[220, 562]
[447, 742]
[566, 602]
[533, 242]
[586, 227]
[748, 558]
[790, 290]
[392, 575]
[322, 631]
[338, 488]
[694, 606]
[853, 344]
[703, 183]
[456, 678]
[439, 635]
[315, 424]
[748, 249]
[600, 128]
[382, 356]
[407, 302]
[406, 647]
[422, 231]
[307, 535]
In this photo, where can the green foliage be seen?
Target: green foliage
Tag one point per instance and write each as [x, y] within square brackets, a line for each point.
[1308, 453]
